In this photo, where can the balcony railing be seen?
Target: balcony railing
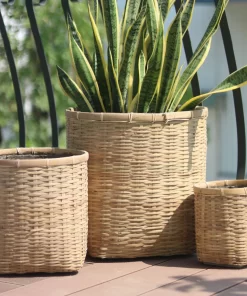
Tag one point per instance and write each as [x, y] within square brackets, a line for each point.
[31, 6]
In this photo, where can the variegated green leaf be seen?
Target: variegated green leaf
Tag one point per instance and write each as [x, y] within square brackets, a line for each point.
[133, 35]
[213, 25]
[187, 15]
[111, 19]
[189, 73]
[164, 7]
[173, 88]
[130, 13]
[141, 69]
[86, 75]
[172, 57]
[133, 105]
[77, 38]
[150, 81]
[152, 20]
[74, 32]
[134, 86]
[72, 90]
[118, 104]
[102, 72]
[236, 80]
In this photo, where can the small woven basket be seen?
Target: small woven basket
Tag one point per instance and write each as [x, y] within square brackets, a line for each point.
[142, 169]
[43, 210]
[221, 222]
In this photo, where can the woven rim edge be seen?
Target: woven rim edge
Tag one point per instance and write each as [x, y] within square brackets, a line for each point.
[200, 112]
[207, 187]
[77, 157]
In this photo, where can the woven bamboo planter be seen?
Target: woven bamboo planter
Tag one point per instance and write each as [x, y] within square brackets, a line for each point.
[142, 169]
[43, 210]
[221, 222]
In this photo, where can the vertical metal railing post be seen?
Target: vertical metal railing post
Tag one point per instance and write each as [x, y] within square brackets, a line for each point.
[15, 80]
[44, 68]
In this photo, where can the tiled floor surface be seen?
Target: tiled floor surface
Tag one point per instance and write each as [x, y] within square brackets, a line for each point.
[149, 277]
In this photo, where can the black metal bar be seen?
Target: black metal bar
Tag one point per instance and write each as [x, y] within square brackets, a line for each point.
[66, 9]
[15, 80]
[45, 70]
[237, 96]
[189, 53]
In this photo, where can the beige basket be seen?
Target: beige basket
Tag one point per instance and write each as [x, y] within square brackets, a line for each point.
[43, 211]
[221, 222]
[142, 169]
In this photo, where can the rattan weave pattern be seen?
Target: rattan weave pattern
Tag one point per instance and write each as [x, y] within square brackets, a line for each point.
[43, 217]
[141, 176]
[221, 222]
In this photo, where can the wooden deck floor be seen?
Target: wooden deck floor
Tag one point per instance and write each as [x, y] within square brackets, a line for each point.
[149, 277]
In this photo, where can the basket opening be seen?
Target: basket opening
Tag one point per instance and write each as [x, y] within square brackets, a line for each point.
[36, 155]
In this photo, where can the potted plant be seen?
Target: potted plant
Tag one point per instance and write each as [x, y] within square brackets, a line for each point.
[43, 210]
[147, 147]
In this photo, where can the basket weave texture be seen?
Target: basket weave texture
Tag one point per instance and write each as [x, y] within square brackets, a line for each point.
[142, 169]
[43, 211]
[221, 222]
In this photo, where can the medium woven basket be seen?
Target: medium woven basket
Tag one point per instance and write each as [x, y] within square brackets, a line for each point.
[142, 169]
[221, 222]
[43, 210]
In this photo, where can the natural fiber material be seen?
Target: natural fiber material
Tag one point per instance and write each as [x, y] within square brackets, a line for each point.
[221, 222]
[142, 169]
[43, 212]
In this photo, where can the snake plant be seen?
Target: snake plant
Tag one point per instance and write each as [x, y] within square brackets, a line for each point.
[138, 70]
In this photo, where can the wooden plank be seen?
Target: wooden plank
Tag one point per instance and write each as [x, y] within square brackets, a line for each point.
[147, 279]
[92, 275]
[204, 283]
[239, 290]
[7, 287]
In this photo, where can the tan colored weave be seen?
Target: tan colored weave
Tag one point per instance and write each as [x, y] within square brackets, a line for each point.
[142, 168]
[221, 223]
[43, 212]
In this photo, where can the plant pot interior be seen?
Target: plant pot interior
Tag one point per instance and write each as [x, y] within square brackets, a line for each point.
[36, 155]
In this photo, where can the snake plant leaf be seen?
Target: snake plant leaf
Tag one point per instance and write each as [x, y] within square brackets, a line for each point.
[72, 29]
[134, 87]
[118, 104]
[236, 80]
[73, 91]
[133, 35]
[189, 73]
[133, 105]
[101, 67]
[141, 68]
[213, 24]
[165, 6]
[74, 32]
[131, 10]
[86, 75]
[173, 88]
[187, 15]
[171, 61]
[150, 80]
[111, 20]
[152, 20]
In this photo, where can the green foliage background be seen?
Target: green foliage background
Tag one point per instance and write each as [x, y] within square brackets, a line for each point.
[53, 31]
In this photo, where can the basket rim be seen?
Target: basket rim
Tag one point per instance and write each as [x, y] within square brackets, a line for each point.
[77, 157]
[209, 187]
[199, 112]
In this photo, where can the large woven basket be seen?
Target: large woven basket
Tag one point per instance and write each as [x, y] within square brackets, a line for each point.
[221, 222]
[142, 169]
[43, 210]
